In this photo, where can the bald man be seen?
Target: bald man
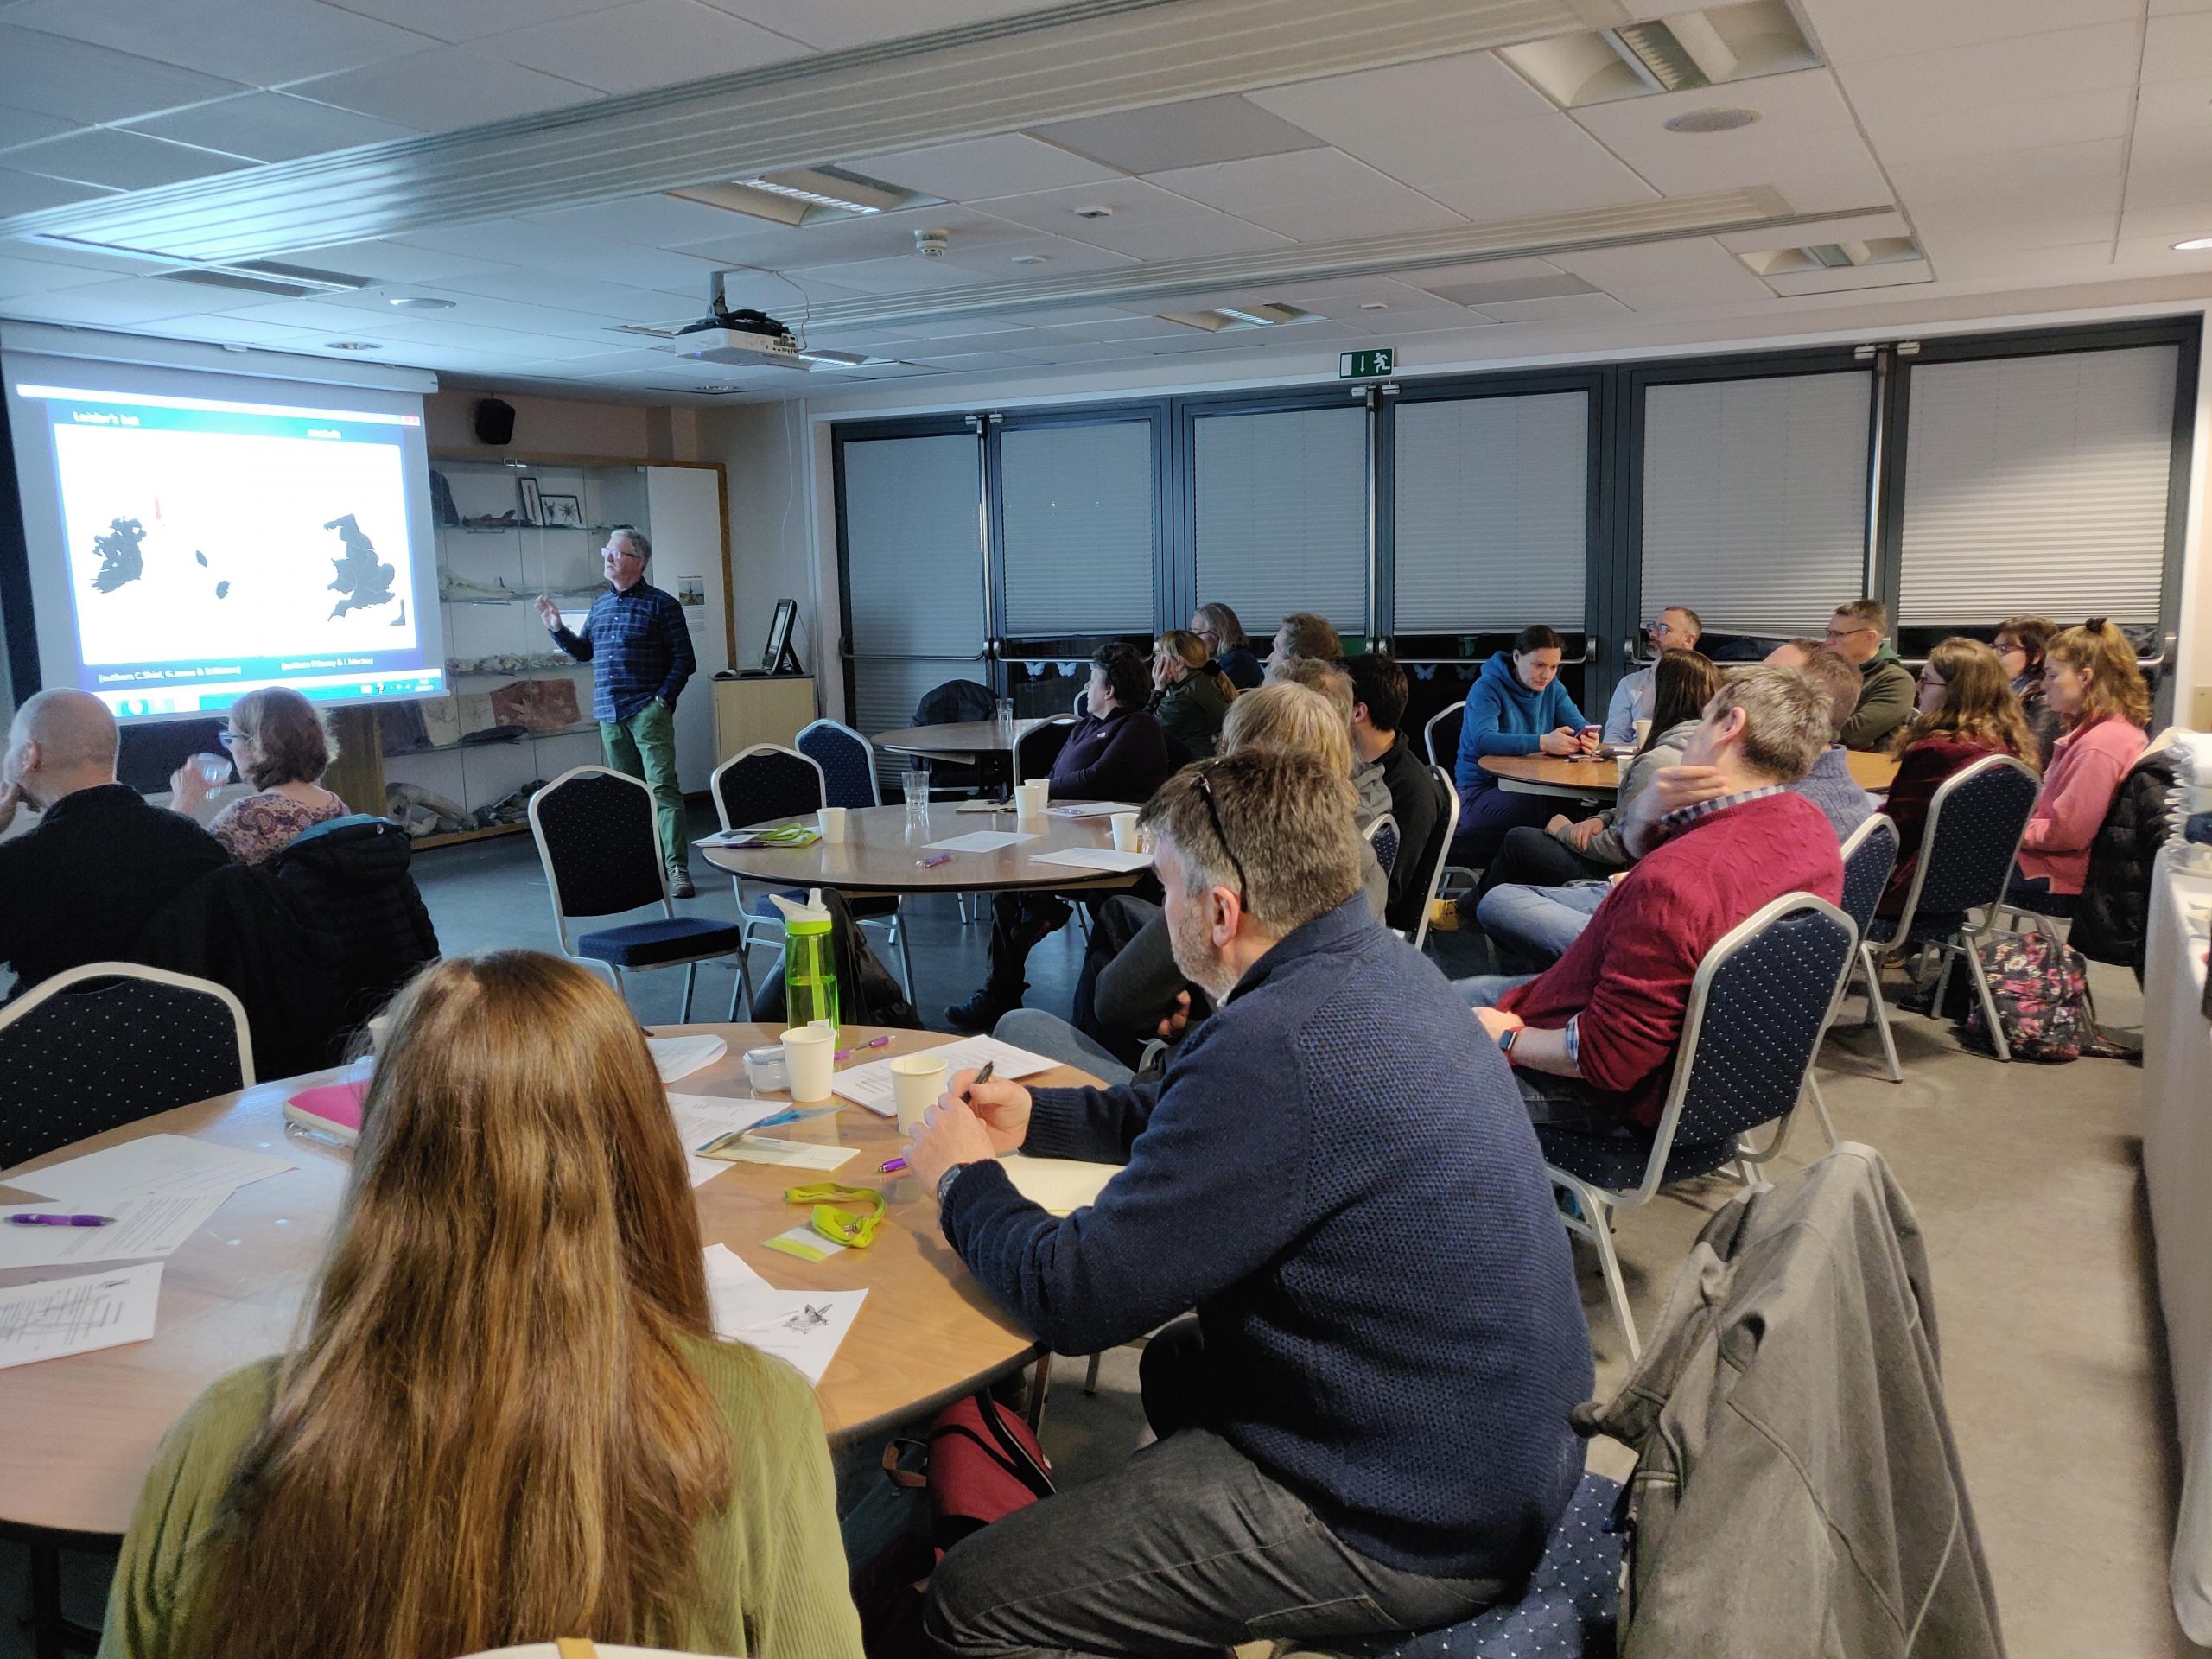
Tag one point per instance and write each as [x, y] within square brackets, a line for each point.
[81, 886]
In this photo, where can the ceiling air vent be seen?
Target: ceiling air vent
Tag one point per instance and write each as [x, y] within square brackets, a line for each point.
[1681, 54]
[1221, 318]
[807, 195]
[1833, 256]
[267, 276]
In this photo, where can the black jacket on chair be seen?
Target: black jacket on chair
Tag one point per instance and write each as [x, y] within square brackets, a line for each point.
[349, 880]
[2113, 912]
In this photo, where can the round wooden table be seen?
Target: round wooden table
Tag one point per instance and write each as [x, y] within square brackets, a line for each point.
[954, 737]
[80, 1432]
[883, 853]
[1554, 774]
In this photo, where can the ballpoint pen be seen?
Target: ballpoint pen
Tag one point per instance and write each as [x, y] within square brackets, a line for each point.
[51, 1220]
[931, 863]
[984, 1076]
[873, 1042]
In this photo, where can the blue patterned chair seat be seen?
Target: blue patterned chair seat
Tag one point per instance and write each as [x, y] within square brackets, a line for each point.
[1616, 1161]
[1567, 1611]
[649, 944]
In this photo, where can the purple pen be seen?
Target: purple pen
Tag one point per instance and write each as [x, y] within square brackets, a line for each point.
[891, 1168]
[47, 1220]
[931, 863]
[873, 1042]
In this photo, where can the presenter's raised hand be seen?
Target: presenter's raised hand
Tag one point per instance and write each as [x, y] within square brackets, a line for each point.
[547, 612]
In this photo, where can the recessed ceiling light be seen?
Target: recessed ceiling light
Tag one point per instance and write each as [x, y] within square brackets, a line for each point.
[420, 302]
[1711, 120]
[1030, 258]
[1375, 305]
[1095, 212]
[2195, 244]
[351, 346]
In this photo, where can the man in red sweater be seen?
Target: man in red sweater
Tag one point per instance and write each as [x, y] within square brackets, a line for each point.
[1591, 1040]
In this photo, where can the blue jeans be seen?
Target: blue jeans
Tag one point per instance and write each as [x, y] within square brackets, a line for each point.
[1532, 927]
[1553, 1101]
[1050, 1035]
[2033, 892]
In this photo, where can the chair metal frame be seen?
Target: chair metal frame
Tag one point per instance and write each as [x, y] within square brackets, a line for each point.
[47, 988]
[1598, 1203]
[1428, 731]
[1374, 830]
[1443, 864]
[1965, 940]
[689, 965]
[893, 925]
[1014, 757]
[1853, 845]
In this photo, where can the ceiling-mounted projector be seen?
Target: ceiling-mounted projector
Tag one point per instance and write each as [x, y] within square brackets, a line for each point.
[742, 337]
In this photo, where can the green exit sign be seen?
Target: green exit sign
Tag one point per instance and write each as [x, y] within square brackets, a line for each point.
[1366, 366]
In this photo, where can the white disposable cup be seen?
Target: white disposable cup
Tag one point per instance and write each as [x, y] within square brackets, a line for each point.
[1029, 800]
[809, 1055]
[1125, 832]
[832, 824]
[1642, 732]
[916, 1082]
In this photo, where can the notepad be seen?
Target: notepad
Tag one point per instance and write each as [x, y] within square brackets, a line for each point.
[1096, 858]
[982, 841]
[1062, 1186]
[60, 1317]
[870, 1085]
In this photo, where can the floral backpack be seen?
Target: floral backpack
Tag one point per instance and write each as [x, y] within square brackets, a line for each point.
[2040, 988]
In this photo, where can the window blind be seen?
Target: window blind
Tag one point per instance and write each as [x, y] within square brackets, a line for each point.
[1755, 499]
[914, 573]
[1282, 515]
[2038, 485]
[1079, 518]
[1492, 514]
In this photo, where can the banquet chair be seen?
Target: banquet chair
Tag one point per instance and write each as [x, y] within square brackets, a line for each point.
[846, 762]
[1382, 837]
[769, 781]
[595, 836]
[1036, 749]
[1447, 827]
[134, 1041]
[1440, 736]
[1870, 853]
[1762, 997]
[1966, 854]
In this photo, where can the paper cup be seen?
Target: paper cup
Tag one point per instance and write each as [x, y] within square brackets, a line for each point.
[1029, 800]
[809, 1054]
[1125, 832]
[1642, 732]
[916, 1082]
[832, 824]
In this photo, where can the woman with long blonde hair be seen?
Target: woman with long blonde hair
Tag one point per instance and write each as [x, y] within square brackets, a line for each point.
[1190, 699]
[506, 1418]
[2090, 677]
[1966, 712]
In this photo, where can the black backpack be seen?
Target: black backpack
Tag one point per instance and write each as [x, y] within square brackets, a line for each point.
[867, 993]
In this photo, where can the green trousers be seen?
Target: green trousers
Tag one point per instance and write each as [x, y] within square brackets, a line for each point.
[644, 746]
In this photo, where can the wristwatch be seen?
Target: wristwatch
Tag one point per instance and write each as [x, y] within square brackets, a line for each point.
[944, 1183]
[1507, 1038]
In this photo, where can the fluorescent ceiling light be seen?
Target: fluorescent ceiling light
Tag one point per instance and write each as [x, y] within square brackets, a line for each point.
[2195, 244]
[1270, 315]
[805, 195]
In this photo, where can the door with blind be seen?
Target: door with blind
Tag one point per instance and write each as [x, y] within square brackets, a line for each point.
[2041, 485]
[1077, 510]
[1753, 505]
[1280, 510]
[910, 522]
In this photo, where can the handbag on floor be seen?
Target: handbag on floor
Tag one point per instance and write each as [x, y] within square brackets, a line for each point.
[2040, 988]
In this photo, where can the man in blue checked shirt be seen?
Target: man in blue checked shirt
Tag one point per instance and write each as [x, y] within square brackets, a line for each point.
[640, 651]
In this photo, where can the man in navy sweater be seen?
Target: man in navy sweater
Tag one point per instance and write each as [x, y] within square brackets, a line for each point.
[1365, 1428]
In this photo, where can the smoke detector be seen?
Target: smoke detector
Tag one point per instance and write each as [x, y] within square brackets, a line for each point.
[931, 245]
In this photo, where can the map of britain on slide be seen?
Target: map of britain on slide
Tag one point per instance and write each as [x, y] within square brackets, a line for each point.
[184, 545]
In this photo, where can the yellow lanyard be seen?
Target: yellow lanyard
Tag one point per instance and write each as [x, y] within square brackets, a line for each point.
[841, 1226]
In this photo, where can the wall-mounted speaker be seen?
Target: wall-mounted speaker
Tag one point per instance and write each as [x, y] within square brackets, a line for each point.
[495, 422]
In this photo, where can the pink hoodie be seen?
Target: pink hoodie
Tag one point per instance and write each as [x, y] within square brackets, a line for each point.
[2087, 765]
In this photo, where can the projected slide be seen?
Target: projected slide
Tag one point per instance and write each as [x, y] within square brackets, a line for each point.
[215, 546]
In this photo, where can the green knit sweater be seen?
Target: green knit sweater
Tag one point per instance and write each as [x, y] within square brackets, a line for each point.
[771, 1568]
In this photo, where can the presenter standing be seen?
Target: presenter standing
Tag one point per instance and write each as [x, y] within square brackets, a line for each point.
[640, 651]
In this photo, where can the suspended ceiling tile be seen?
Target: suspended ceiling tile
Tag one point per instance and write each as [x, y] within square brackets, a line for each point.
[1940, 134]
[1800, 115]
[1130, 327]
[2003, 73]
[999, 340]
[1185, 238]
[1905, 273]
[1507, 169]
[2184, 105]
[647, 44]
[121, 160]
[239, 40]
[832, 23]
[1501, 289]
[2064, 178]
[120, 304]
[2001, 224]
[1035, 256]
[2175, 222]
[974, 362]
[1400, 114]
[1667, 275]
[1428, 319]
[307, 314]
[1858, 229]
[1087, 351]
[612, 301]
[2177, 47]
[49, 74]
[651, 221]
[24, 127]
[1853, 31]
[2170, 174]
[1563, 305]
[24, 192]
[1130, 202]
[393, 262]
[270, 127]
[911, 274]
[1195, 132]
[445, 87]
[1010, 164]
[237, 331]
[841, 241]
[2081, 259]
[445, 20]
[35, 276]
[1312, 195]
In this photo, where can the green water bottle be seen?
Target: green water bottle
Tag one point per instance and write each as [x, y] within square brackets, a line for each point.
[810, 961]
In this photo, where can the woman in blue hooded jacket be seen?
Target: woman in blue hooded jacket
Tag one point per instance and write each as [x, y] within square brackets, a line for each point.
[1516, 706]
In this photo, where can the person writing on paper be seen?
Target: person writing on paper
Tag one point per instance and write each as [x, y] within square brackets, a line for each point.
[640, 647]
[506, 1417]
[1366, 1427]
[82, 886]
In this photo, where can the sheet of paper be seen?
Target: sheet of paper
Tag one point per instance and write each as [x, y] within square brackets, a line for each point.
[1096, 858]
[805, 1327]
[155, 1165]
[1089, 808]
[1062, 1186]
[869, 1085]
[982, 841]
[984, 806]
[57, 1316]
[700, 1118]
[787, 1154]
[143, 1228]
[679, 1057]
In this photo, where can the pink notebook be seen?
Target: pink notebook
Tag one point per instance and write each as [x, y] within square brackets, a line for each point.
[333, 1110]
